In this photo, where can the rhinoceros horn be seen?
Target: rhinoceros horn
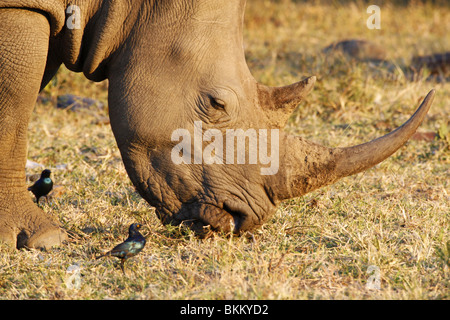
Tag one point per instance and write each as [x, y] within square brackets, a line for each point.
[305, 166]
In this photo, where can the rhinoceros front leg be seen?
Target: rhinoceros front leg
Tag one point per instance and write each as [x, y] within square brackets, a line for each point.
[24, 37]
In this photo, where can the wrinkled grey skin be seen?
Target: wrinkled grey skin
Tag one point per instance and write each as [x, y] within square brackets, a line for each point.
[169, 63]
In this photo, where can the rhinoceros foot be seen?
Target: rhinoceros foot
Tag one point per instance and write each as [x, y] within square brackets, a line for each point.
[23, 224]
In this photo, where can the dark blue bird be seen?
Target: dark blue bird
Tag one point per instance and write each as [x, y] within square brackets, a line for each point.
[130, 247]
[43, 186]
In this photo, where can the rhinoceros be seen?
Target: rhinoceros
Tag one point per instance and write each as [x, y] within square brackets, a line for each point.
[175, 67]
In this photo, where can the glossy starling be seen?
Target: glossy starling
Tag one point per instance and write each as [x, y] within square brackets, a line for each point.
[130, 247]
[43, 186]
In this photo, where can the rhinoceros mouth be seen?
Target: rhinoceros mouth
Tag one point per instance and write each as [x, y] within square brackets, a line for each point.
[230, 215]
[241, 213]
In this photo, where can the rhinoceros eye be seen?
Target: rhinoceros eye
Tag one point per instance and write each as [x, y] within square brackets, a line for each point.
[217, 103]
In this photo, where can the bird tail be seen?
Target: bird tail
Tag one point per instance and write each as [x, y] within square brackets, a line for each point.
[103, 255]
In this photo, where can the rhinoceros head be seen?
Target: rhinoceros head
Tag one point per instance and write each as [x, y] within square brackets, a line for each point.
[201, 140]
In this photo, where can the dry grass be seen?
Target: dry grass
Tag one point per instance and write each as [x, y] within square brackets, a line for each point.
[394, 216]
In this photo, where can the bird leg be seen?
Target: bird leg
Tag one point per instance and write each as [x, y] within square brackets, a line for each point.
[122, 265]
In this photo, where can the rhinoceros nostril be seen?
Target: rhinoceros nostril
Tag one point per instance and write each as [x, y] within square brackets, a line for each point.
[240, 213]
[22, 238]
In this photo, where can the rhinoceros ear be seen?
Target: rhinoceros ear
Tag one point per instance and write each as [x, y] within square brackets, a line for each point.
[280, 102]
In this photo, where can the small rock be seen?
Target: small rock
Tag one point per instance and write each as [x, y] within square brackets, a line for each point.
[33, 165]
[88, 230]
[61, 166]
[74, 103]
[438, 63]
[358, 49]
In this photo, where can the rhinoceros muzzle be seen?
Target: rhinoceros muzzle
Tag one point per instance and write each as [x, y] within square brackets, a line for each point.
[231, 216]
